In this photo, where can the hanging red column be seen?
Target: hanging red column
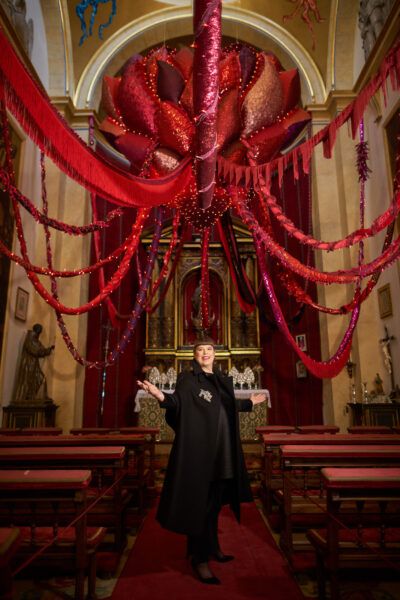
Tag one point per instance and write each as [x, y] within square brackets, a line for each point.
[207, 33]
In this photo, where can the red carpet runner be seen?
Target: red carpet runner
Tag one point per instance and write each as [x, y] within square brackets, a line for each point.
[157, 569]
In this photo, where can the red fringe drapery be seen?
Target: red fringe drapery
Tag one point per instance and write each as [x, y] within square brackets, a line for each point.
[248, 176]
[31, 106]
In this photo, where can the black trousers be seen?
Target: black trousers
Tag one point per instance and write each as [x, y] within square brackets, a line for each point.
[200, 547]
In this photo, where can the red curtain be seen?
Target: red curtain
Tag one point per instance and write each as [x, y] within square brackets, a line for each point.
[119, 388]
[295, 401]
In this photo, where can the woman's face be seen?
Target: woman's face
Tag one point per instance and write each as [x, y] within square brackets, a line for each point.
[205, 354]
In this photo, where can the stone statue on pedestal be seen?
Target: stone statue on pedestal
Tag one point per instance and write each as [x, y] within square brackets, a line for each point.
[30, 382]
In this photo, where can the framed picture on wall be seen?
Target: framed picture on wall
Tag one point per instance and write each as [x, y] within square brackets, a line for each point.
[301, 341]
[385, 301]
[301, 370]
[21, 304]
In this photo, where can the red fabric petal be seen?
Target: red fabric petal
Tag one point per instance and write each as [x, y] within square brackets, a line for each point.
[187, 96]
[109, 93]
[291, 89]
[229, 73]
[263, 103]
[228, 119]
[135, 100]
[111, 127]
[184, 59]
[170, 82]
[273, 59]
[175, 129]
[295, 122]
[152, 65]
[247, 57]
[254, 76]
[136, 148]
[265, 144]
[235, 153]
[165, 161]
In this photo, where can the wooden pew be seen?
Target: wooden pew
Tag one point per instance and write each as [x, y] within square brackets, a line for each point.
[275, 429]
[31, 499]
[137, 480]
[150, 434]
[368, 429]
[41, 431]
[10, 539]
[342, 544]
[107, 463]
[31, 431]
[299, 462]
[318, 429]
[10, 431]
[272, 442]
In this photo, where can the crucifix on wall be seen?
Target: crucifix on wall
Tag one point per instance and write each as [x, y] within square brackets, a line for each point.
[387, 355]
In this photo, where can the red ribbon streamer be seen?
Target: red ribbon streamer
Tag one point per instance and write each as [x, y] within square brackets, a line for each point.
[322, 369]
[205, 280]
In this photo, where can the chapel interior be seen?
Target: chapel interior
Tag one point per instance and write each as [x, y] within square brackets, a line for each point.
[196, 274]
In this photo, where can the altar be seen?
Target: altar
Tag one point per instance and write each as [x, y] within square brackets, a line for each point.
[151, 415]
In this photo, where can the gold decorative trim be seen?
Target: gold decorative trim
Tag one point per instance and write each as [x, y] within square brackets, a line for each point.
[68, 56]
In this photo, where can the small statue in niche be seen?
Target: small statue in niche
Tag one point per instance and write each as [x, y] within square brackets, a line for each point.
[16, 10]
[30, 383]
[378, 386]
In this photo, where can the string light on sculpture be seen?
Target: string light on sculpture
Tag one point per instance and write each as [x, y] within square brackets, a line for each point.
[202, 135]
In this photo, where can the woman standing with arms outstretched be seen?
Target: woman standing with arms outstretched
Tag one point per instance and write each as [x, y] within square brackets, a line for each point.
[206, 466]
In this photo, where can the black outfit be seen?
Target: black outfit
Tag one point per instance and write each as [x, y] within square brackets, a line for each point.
[206, 466]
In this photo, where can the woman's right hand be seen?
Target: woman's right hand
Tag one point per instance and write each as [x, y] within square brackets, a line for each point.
[151, 389]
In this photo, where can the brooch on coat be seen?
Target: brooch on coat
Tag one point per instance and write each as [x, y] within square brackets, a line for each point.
[206, 395]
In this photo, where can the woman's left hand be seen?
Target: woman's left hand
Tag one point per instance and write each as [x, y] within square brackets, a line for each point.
[258, 398]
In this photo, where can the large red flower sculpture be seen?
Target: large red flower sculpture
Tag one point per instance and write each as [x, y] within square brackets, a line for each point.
[150, 116]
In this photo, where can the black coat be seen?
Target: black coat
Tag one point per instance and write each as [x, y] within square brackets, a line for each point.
[182, 506]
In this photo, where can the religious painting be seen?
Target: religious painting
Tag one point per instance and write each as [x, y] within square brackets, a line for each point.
[301, 370]
[385, 301]
[21, 304]
[301, 341]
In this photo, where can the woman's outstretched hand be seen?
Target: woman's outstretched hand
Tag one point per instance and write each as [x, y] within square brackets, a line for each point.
[151, 389]
[258, 398]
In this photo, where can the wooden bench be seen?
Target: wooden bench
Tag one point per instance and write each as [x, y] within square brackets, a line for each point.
[275, 429]
[344, 545]
[368, 429]
[150, 434]
[273, 478]
[31, 431]
[138, 478]
[332, 429]
[107, 464]
[10, 539]
[301, 502]
[32, 500]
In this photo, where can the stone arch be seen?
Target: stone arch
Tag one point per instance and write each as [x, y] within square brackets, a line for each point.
[168, 23]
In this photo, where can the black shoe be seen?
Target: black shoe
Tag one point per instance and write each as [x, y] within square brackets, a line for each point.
[221, 557]
[212, 580]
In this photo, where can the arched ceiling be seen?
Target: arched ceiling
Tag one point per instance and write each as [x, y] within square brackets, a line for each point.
[255, 21]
